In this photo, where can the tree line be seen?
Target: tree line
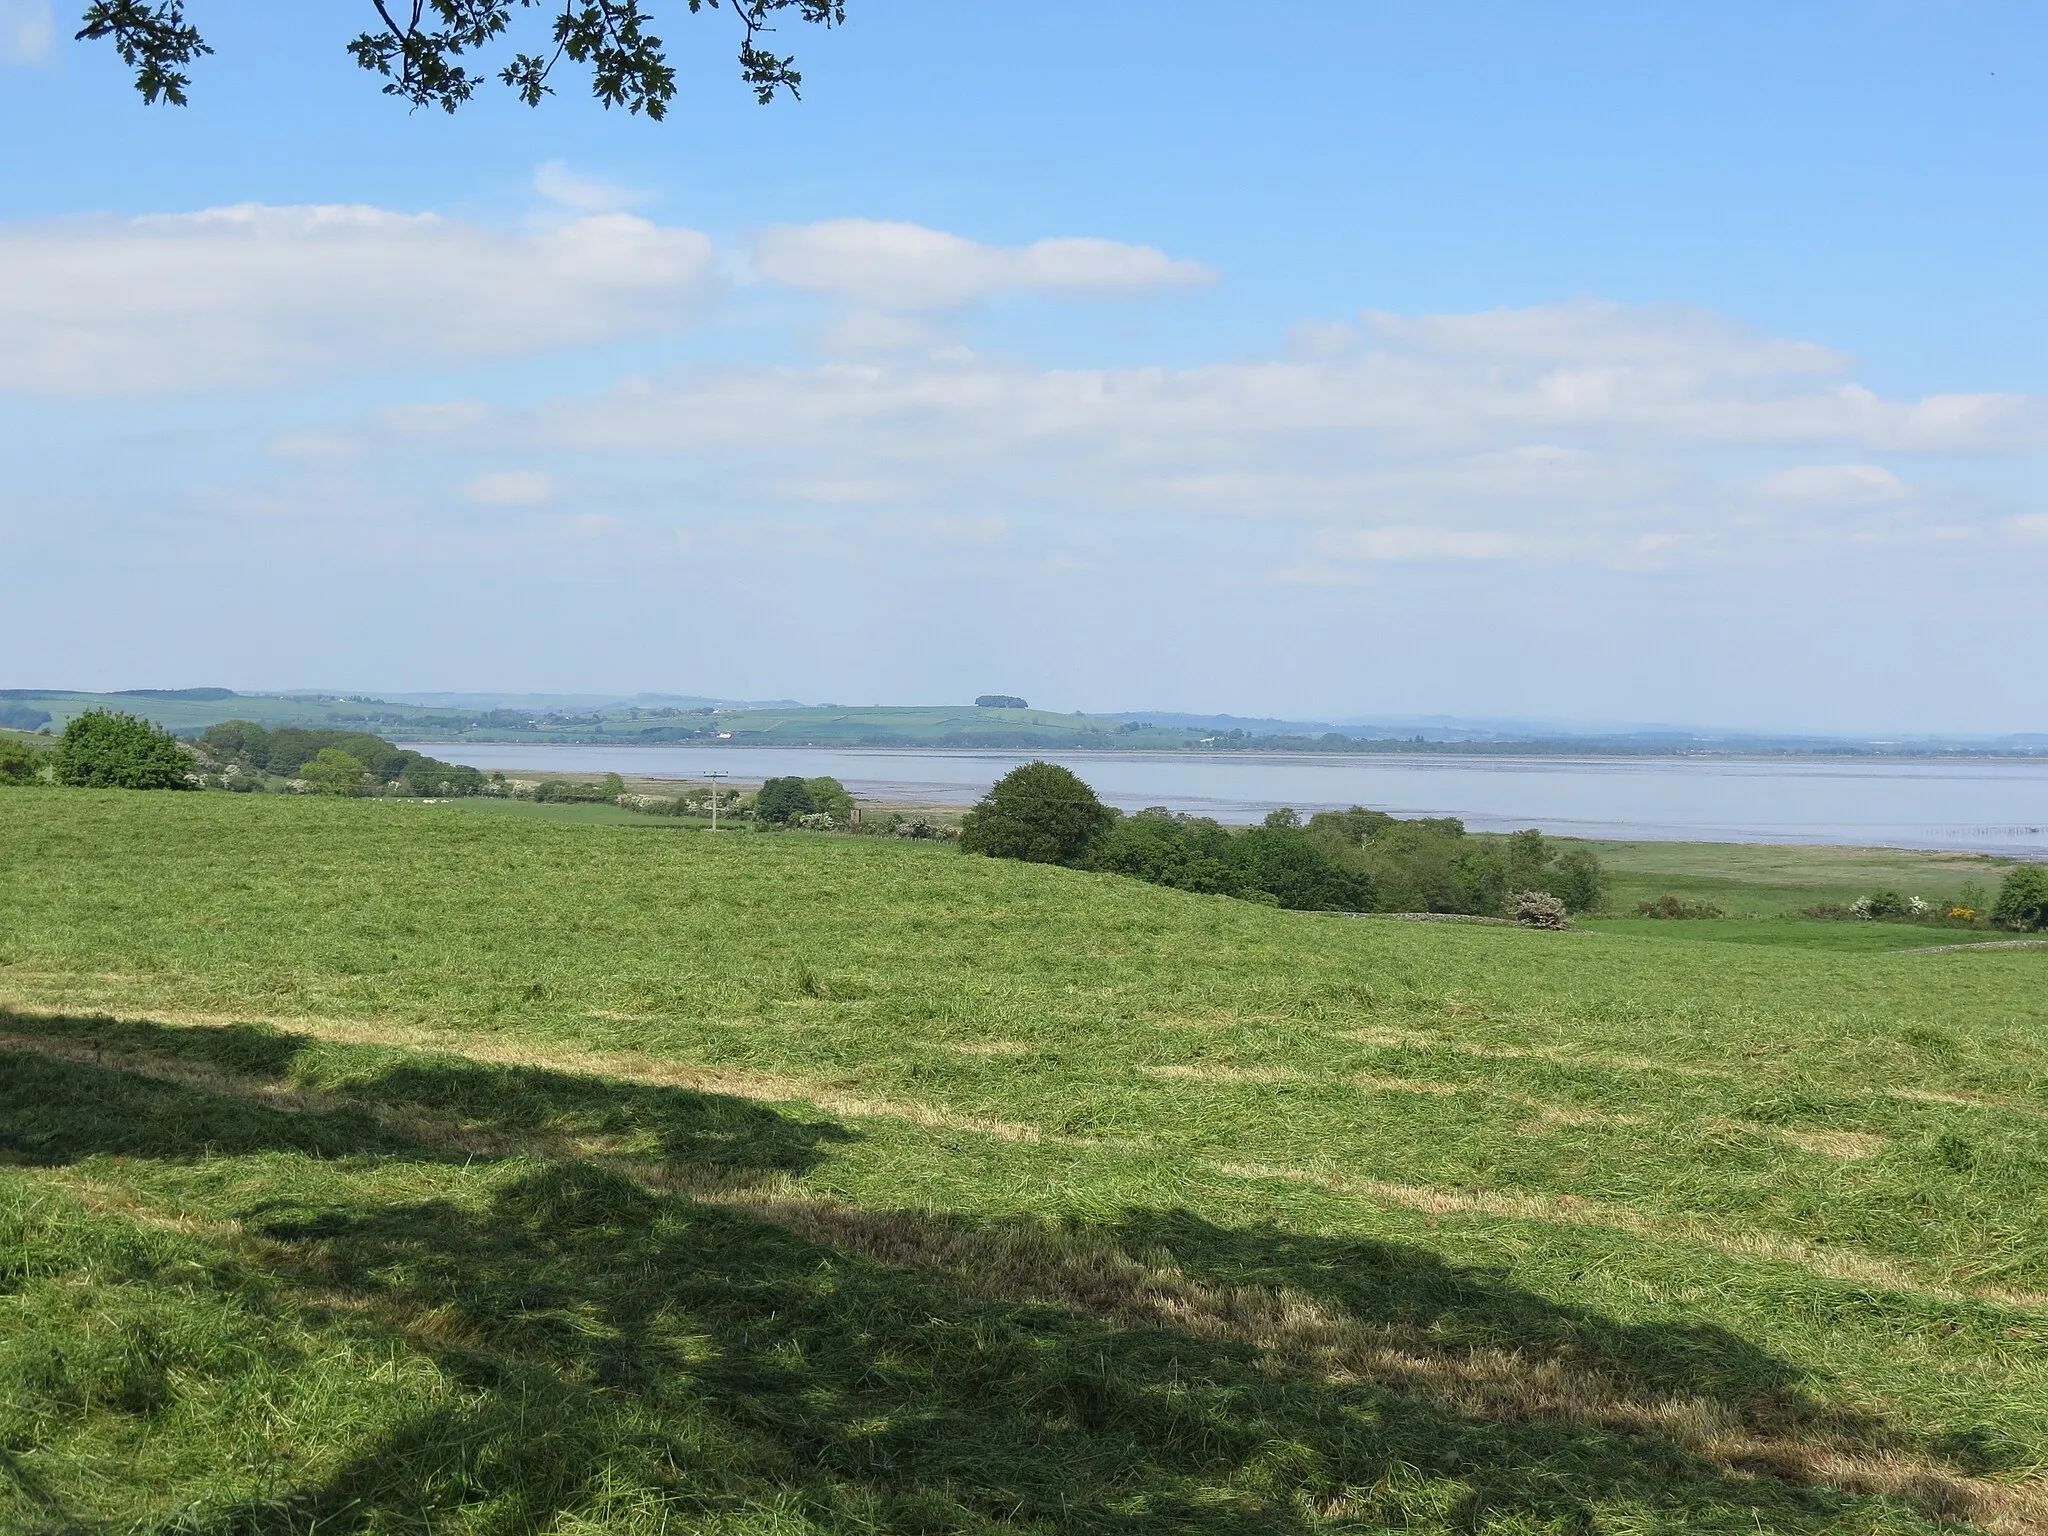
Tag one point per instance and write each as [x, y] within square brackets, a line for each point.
[1358, 860]
[110, 749]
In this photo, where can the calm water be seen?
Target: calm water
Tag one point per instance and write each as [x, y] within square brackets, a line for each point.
[1995, 806]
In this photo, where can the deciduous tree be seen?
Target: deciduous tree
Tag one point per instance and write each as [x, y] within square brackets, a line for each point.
[426, 51]
[1041, 813]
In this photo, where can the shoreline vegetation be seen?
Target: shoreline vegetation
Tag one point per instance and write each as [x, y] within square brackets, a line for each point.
[1007, 726]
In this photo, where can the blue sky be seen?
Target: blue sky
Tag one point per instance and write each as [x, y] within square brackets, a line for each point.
[1570, 360]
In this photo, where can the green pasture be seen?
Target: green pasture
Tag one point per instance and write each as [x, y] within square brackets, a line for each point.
[1778, 880]
[370, 1167]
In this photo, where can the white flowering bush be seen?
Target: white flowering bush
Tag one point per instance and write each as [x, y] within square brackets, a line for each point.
[1537, 909]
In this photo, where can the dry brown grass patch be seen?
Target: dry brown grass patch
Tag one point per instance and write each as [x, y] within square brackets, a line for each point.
[1853, 1145]
[1411, 1085]
[1409, 1039]
[1223, 1074]
[1967, 1101]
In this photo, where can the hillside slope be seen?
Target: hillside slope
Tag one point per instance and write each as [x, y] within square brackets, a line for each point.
[378, 1164]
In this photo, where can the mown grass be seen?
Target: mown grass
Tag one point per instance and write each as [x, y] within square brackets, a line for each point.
[373, 1169]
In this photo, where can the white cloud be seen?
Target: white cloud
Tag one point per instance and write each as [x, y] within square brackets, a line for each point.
[1595, 334]
[252, 296]
[1629, 451]
[1410, 543]
[887, 265]
[1835, 485]
[510, 488]
[553, 180]
[28, 31]
[1372, 422]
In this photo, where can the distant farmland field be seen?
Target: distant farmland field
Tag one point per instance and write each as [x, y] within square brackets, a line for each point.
[374, 1167]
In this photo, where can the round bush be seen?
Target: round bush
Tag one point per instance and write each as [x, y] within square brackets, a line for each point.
[104, 750]
[1040, 813]
[2023, 899]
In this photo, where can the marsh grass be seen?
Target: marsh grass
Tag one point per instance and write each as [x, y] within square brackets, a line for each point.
[374, 1170]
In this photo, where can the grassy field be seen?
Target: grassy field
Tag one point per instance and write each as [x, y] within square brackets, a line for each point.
[1778, 880]
[372, 1167]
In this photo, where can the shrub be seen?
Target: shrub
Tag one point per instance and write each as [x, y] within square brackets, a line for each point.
[1880, 904]
[921, 827]
[817, 821]
[1677, 908]
[333, 772]
[1177, 851]
[19, 762]
[1040, 813]
[2023, 899]
[829, 796]
[1577, 879]
[1537, 909]
[104, 750]
[569, 792]
[652, 805]
[1284, 863]
[782, 800]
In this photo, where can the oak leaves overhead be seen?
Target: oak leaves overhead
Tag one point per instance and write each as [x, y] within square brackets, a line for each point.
[426, 50]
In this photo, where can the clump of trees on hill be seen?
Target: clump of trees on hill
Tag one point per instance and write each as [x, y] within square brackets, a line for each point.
[1358, 860]
[242, 755]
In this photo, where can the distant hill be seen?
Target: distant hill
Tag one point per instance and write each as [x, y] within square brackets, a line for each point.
[682, 719]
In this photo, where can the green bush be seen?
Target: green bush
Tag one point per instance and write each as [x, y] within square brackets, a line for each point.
[1279, 863]
[572, 792]
[781, 801]
[101, 749]
[19, 762]
[1285, 864]
[2023, 899]
[1178, 851]
[1040, 813]
[333, 772]
[1577, 880]
[1432, 864]
[830, 796]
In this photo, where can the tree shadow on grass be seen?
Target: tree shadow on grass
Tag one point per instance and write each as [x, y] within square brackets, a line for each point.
[640, 1360]
[429, 1105]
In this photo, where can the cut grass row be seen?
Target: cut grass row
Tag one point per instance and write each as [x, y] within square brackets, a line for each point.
[806, 1183]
